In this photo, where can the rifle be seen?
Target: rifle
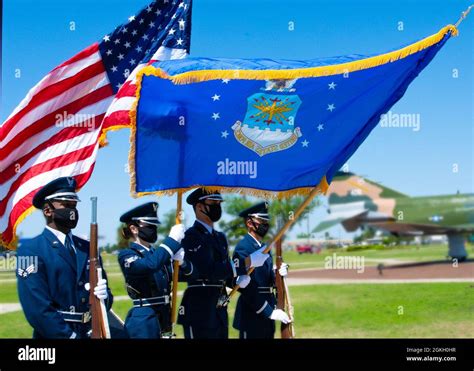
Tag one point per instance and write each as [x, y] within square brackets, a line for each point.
[278, 236]
[99, 320]
[282, 293]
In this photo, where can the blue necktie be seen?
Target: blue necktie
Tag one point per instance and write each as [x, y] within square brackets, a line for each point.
[69, 248]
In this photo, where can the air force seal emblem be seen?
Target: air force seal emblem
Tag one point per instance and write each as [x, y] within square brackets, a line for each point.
[269, 124]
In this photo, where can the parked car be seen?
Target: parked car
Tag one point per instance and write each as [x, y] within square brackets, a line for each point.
[304, 249]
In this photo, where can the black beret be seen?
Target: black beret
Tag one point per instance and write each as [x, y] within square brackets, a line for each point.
[147, 213]
[201, 194]
[59, 189]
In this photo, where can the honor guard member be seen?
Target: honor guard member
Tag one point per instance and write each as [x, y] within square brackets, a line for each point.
[53, 268]
[148, 271]
[255, 314]
[208, 251]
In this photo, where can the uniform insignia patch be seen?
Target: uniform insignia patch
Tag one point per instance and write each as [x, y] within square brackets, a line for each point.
[130, 260]
[197, 248]
[27, 271]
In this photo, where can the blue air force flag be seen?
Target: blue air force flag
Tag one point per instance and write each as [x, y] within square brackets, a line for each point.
[261, 126]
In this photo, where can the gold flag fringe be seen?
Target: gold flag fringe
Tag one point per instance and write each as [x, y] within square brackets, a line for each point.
[261, 193]
[10, 245]
[103, 136]
[336, 69]
[204, 75]
[323, 184]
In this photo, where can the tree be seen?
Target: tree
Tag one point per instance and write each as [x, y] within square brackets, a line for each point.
[279, 209]
[303, 235]
[122, 243]
[168, 220]
[367, 233]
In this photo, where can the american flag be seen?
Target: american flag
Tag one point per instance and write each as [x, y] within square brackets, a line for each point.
[56, 130]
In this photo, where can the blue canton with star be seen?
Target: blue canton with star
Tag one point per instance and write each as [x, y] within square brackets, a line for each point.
[163, 23]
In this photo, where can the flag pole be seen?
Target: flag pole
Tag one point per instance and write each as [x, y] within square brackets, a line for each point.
[174, 294]
[464, 15]
[279, 235]
[286, 332]
[290, 309]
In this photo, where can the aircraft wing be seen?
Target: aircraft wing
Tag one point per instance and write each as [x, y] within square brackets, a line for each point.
[326, 224]
[339, 217]
[413, 229]
[352, 219]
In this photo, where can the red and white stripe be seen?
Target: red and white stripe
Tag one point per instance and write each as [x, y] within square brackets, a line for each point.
[118, 113]
[53, 132]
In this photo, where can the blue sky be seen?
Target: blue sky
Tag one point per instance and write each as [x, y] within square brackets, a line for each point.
[37, 37]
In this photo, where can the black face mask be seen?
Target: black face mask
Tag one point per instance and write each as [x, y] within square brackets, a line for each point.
[261, 229]
[148, 233]
[66, 218]
[214, 212]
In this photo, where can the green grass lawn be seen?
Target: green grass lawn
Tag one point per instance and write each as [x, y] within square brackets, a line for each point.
[305, 261]
[426, 310]
[402, 253]
[296, 261]
[429, 310]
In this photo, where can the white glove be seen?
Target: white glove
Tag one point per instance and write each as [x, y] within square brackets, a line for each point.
[100, 291]
[179, 256]
[177, 232]
[283, 271]
[258, 258]
[243, 281]
[279, 315]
